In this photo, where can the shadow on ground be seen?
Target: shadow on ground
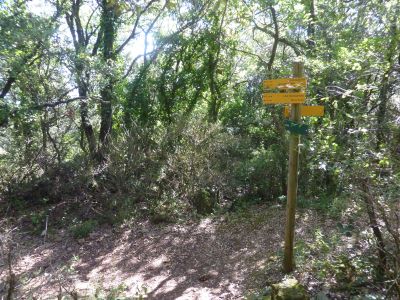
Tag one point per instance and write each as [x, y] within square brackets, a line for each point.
[209, 259]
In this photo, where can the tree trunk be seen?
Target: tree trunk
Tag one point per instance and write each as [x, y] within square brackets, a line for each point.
[80, 45]
[311, 25]
[386, 85]
[381, 113]
[107, 92]
[86, 126]
[373, 222]
[212, 64]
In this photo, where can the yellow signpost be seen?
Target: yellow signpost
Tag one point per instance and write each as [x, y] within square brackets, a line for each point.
[284, 98]
[285, 83]
[291, 91]
[307, 111]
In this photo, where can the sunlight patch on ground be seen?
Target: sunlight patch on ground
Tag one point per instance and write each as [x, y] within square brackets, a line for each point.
[212, 259]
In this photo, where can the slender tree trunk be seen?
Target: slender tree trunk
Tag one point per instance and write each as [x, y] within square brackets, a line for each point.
[213, 106]
[7, 87]
[87, 128]
[86, 125]
[213, 60]
[107, 92]
[44, 128]
[311, 25]
[373, 222]
[386, 85]
[80, 45]
[381, 113]
[106, 115]
[276, 39]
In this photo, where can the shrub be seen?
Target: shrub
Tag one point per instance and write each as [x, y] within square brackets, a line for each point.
[83, 230]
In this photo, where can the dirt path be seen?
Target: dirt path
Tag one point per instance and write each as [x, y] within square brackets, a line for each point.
[210, 259]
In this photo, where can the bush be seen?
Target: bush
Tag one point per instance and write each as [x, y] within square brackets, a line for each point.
[174, 166]
[203, 202]
[84, 229]
[191, 163]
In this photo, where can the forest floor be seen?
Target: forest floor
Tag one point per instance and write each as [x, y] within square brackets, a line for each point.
[220, 257]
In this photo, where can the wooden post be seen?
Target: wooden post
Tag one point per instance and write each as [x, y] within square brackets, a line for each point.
[288, 260]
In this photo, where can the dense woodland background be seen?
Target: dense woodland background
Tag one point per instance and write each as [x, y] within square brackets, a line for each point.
[126, 108]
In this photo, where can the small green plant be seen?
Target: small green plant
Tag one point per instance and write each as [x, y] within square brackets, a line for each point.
[69, 268]
[141, 292]
[84, 229]
[167, 210]
[339, 204]
[302, 252]
[321, 243]
[38, 220]
[115, 293]
[262, 294]
[203, 202]
[319, 203]
[325, 203]
[17, 203]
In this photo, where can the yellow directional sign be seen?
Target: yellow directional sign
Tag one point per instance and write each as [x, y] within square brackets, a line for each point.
[307, 111]
[284, 98]
[285, 83]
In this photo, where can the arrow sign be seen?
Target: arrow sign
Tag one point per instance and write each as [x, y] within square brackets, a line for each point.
[296, 128]
[285, 83]
[307, 111]
[282, 98]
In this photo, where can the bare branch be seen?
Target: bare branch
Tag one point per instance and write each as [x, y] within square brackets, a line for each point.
[98, 41]
[276, 38]
[261, 60]
[89, 35]
[60, 102]
[129, 70]
[280, 39]
[133, 32]
[146, 33]
[7, 87]
[167, 40]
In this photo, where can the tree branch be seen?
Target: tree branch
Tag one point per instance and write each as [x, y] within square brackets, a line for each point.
[60, 102]
[280, 39]
[146, 33]
[133, 32]
[7, 87]
[87, 34]
[262, 61]
[276, 38]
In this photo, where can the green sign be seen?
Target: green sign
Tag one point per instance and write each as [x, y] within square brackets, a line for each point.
[296, 128]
